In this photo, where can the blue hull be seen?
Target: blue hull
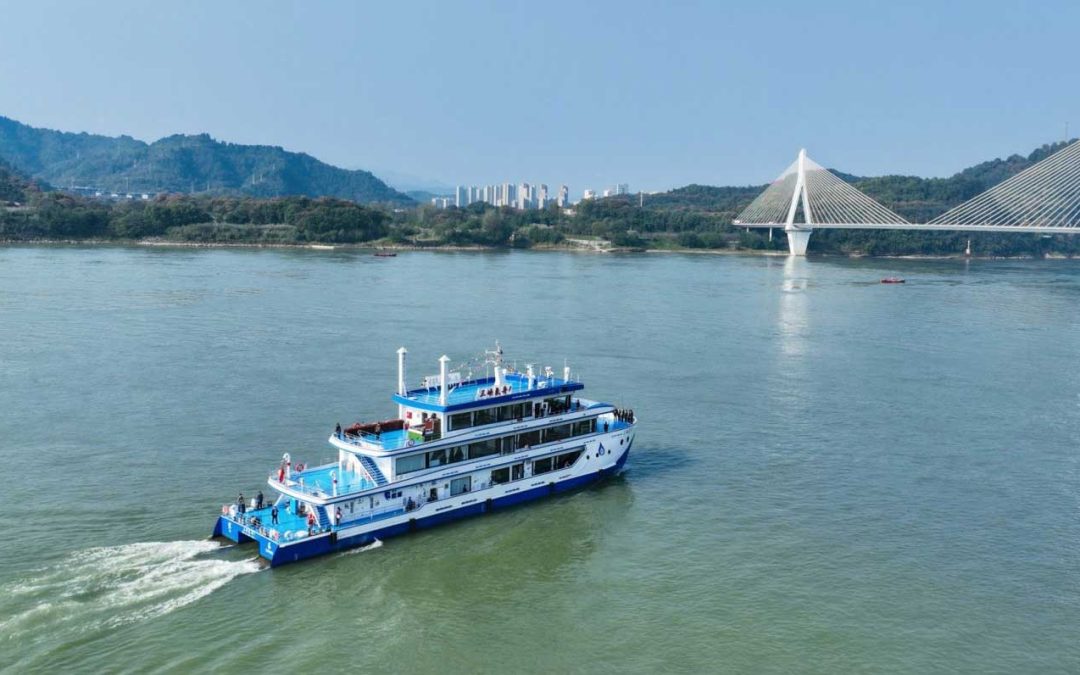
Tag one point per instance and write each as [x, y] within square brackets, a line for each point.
[309, 548]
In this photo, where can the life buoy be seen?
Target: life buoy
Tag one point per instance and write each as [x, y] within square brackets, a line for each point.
[300, 467]
[409, 443]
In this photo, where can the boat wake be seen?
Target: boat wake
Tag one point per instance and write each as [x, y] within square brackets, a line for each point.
[369, 547]
[114, 586]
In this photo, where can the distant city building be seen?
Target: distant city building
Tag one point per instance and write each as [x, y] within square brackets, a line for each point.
[608, 192]
[622, 189]
[521, 196]
[589, 194]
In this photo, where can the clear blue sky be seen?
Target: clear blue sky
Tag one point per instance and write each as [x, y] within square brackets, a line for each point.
[654, 94]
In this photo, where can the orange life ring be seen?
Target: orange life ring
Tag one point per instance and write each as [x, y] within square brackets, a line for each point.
[299, 468]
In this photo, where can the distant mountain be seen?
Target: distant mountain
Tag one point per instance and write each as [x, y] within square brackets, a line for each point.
[407, 182]
[181, 164]
[425, 197]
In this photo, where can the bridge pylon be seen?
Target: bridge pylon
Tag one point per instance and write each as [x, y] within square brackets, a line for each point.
[826, 200]
[798, 237]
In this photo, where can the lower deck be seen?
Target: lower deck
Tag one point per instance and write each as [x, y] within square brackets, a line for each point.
[281, 548]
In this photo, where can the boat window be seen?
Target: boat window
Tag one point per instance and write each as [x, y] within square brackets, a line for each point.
[558, 433]
[457, 453]
[507, 444]
[483, 416]
[410, 464]
[461, 420]
[482, 449]
[566, 459]
[529, 438]
[558, 404]
[436, 458]
[505, 412]
[460, 485]
[584, 427]
[541, 466]
[517, 471]
[500, 476]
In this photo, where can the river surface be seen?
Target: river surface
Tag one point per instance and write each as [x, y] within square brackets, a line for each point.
[831, 474]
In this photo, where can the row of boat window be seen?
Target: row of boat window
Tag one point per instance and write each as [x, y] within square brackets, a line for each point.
[539, 466]
[504, 445]
[505, 413]
[463, 484]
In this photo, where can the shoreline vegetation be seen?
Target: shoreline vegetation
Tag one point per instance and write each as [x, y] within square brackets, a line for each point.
[694, 219]
[447, 248]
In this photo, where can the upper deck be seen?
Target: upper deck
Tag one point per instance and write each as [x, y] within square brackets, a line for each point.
[482, 392]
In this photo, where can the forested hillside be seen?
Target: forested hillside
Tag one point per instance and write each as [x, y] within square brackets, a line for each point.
[182, 164]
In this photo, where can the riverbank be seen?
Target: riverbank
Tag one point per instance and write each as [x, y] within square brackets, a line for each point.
[573, 247]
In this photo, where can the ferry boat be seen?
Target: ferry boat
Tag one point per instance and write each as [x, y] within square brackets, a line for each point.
[459, 446]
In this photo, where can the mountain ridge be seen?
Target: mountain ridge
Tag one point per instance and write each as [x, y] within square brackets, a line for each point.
[182, 163]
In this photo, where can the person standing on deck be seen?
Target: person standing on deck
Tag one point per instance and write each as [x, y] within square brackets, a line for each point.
[311, 522]
[241, 507]
[259, 500]
[273, 514]
[337, 517]
[337, 430]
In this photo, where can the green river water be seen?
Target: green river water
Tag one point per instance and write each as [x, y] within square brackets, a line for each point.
[830, 475]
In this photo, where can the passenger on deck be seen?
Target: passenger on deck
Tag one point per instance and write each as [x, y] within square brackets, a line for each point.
[273, 514]
[310, 523]
[337, 517]
[259, 500]
[241, 507]
[378, 430]
[337, 430]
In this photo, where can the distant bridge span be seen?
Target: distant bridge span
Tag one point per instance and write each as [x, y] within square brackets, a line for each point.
[1043, 198]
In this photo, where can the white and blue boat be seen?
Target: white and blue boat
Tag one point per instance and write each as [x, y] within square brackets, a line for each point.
[459, 446]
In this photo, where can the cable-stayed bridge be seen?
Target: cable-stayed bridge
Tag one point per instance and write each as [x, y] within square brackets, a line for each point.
[1043, 198]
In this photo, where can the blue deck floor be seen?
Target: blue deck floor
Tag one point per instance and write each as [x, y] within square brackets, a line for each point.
[287, 521]
[317, 481]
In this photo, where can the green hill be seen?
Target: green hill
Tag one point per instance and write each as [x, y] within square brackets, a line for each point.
[14, 186]
[182, 164]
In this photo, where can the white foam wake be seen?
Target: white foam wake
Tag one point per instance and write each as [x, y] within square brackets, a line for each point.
[116, 585]
[373, 545]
